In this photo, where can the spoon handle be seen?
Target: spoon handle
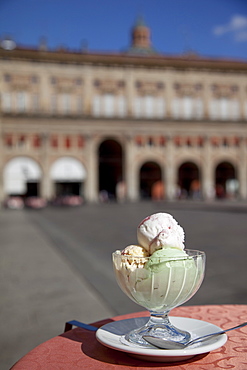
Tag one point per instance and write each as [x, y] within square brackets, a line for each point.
[201, 339]
[237, 327]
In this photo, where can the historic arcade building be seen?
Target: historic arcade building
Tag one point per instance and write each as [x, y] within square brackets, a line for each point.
[77, 122]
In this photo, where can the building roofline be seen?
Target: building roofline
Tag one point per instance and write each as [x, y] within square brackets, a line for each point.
[183, 61]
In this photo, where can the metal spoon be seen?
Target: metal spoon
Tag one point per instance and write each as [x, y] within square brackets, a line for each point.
[171, 344]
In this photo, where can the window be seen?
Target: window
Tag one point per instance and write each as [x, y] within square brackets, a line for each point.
[6, 102]
[65, 101]
[54, 141]
[139, 140]
[198, 105]
[160, 107]
[213, 109]
[34, 79]
[7, 77]
[78, 82]
[8, 140]
[146, 106]
[160, 85]
[149, 106]
[97, 83]
[21, 141]
[36, 141]
[121, 106]
[80, 141]
[224, 108]
[96, 105]
[162, 141]
[67, 142]
[21, 101]
[53, 80]
[137, 107]
[187, 107]
[108, 105]
[176, 108]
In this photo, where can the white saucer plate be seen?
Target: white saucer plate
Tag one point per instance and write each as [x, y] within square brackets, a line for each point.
[110, 336]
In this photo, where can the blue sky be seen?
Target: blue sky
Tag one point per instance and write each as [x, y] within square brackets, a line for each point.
[212, 28]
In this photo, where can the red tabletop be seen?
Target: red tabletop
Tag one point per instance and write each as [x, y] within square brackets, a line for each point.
[79, 348]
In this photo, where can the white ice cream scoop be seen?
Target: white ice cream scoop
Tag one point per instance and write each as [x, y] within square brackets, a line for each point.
[160, 230]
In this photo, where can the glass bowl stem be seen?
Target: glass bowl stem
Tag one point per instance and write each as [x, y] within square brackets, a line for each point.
[158, 325]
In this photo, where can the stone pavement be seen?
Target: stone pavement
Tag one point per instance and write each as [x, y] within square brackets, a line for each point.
[39, 290]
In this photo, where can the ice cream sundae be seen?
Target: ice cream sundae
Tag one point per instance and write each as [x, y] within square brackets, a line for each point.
[158, 273]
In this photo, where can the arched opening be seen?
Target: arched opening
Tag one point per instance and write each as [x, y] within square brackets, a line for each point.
[21, 177]
[226, 184]
[189, 181]
[68, 175]
[110, 167]
[151, 185]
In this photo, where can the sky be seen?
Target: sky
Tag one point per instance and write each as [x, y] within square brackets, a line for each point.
[210, 28]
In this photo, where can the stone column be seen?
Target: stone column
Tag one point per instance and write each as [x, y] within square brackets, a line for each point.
[91, 183]
[206, 99]
[242, 169]
[241, 99]
[47, 90]
[2, 195]
[168, 94]
[170, 171]
[46, 190]
[47, 186]
[130, 92]
[131, 173]
[207, 177]
[87, 90]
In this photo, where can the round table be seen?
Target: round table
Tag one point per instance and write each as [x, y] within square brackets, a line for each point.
[79, 349]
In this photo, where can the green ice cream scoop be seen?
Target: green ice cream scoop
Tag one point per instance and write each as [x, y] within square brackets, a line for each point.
[167, 258]
[172, 276]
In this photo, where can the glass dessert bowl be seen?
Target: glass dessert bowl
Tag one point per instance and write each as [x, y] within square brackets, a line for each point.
[159, 283]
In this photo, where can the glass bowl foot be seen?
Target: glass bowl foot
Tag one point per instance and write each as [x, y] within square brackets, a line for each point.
[160, 330]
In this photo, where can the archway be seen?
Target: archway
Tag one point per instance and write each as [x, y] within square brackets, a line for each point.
[68, 175]
[22, 176]
[110, 167]
[226, 184]
[151, 185]
[189, 180]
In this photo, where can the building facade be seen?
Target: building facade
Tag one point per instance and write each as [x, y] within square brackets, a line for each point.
[135, 124]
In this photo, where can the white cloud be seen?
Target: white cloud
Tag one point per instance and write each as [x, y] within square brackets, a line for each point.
[237, 26]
